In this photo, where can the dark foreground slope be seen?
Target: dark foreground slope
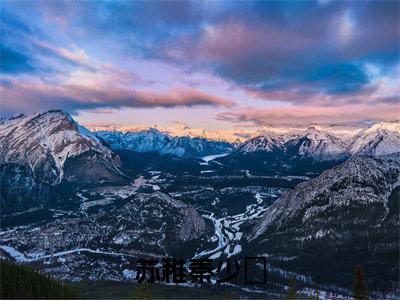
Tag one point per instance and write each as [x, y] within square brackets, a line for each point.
[22, 282]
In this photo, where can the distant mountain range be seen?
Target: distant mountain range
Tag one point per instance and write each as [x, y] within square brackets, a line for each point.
[152, 140]
[51, 143]
[56, 148]
[379, 139]
[237, 135]
[314, 142]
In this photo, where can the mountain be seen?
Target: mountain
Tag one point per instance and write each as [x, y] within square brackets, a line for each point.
[322, 143]
[351, 208]
[195, 147]
[183, 130]
[237, 135]
[152, 140]
[379, 139]
[318, 145]
[313, 143]
[266, 142]
[42, 150]
[56, 148]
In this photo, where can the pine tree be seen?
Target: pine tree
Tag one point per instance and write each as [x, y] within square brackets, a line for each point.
[22, 282]
[359, 287]
[315, 296]
[292, 292]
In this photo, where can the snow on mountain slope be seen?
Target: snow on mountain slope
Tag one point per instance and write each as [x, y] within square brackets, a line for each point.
[346, 216]
[379, 139]
[153, 140]
[183, 130]
[44, 142]
[150, 140]
[186, 146]
[311, 143]
[237, 135]
[266, 142]
[360, 179]
[325, 143]
[319, 145]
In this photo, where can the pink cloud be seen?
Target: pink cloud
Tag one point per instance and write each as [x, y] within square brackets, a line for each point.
[306, 94]
[23, 96]
[310, 114]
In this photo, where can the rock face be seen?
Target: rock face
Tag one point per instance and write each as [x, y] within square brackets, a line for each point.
[346, 216]
[193, 225]
[152, 140]
[318, 145]
[41, 151]
[48, 142]
[321, 144]
[19, 189]
[379, 139]
[267, 142]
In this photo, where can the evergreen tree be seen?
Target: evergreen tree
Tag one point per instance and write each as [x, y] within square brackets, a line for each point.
[292, 292]
[359, 287]
[22, 282]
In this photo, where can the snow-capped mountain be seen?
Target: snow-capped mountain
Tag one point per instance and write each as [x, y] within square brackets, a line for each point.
[379, 139]
[356, 180]
[322, 144]
[184, 130]
[57, 149]
[318, 145]
[314, 143]
[266, 142]
[237, 135]
[187, 146]
[152, 140]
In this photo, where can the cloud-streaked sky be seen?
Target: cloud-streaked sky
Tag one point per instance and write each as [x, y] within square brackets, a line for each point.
[211, 64]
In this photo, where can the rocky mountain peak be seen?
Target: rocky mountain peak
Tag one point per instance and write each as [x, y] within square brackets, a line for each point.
[44, 142]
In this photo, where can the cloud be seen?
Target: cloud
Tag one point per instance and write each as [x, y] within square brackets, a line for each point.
[76, 57]
[71, 95]
[303, 53]
[285, 50]
[310, 114]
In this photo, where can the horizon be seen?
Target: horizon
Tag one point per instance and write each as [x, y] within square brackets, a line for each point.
[210, 65]
[234, 135]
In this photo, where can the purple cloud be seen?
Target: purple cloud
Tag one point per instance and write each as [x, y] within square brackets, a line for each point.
[25, 96]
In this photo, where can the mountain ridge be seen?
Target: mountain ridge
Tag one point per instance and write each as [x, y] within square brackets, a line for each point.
[152, 140]
[346, 216]
[45, 142]
[379, 139]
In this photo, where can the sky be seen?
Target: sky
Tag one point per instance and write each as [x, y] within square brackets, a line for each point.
[208, 64]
